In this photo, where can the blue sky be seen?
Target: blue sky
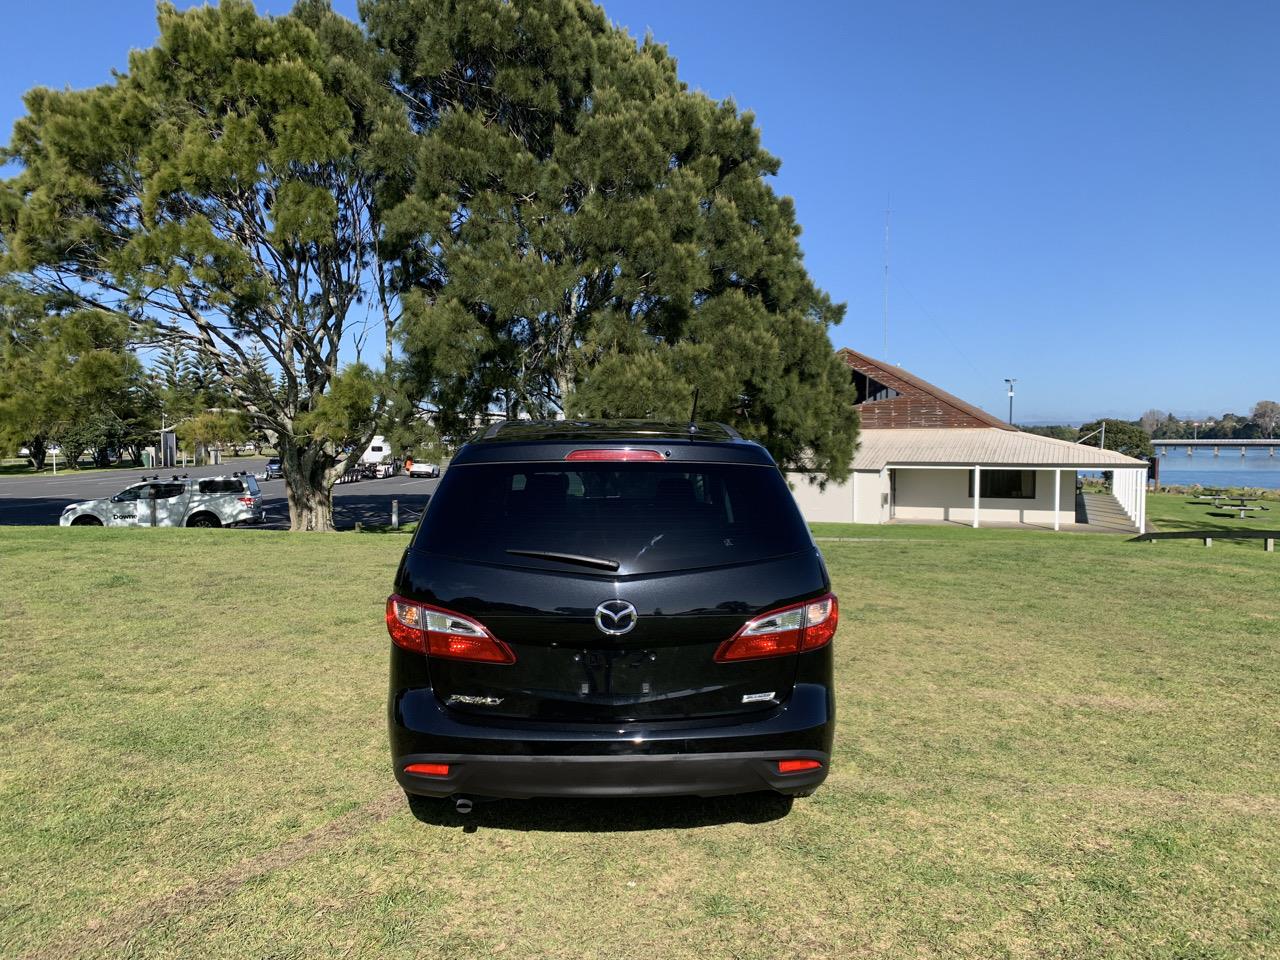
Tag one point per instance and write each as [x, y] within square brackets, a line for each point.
[1085, 196]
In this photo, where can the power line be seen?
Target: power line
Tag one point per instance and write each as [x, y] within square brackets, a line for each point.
[952, 343]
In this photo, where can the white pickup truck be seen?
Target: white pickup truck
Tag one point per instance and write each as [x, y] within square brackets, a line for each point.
[173, 502]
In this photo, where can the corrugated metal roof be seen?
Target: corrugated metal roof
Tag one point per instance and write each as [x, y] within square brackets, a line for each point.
[984, 446]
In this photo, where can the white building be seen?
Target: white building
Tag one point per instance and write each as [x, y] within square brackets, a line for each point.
[927, 456]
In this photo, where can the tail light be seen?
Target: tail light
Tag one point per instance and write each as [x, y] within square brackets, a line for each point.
[248, 501]
[806, 626]
[442, 633]
[615, 455]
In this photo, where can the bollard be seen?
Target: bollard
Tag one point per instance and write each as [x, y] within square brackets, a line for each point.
[395, 514]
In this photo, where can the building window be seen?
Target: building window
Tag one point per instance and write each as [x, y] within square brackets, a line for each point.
[870, 390]
[1006, 484]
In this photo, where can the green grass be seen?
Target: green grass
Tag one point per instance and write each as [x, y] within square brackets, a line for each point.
[1049, 746]
[23, 468]
[1171, 511]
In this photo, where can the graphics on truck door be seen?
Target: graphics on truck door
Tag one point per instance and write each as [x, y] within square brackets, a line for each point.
[162, 505]
[122, 509]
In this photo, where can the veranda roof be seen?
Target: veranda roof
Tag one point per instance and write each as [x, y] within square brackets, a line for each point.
[980, 446]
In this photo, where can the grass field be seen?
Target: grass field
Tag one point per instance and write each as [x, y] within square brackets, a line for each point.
[1171, 511]
[1049, 746]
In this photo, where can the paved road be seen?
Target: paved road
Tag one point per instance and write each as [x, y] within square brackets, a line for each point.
[30, 501]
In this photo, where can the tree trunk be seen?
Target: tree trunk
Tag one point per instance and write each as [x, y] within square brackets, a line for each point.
[564, 386]
[37, 452]
[309, 490]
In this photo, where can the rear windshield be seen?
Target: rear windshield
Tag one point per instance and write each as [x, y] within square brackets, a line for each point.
[647, 517]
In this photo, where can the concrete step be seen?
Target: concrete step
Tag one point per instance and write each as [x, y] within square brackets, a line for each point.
[1103, 510]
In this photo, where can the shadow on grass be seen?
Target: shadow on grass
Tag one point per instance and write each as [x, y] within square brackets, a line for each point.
[604, 815]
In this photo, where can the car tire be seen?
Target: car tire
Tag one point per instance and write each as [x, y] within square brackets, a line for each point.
[86, 522]
[204, 520]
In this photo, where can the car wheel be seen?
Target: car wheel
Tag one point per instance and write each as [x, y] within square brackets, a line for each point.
[86, 522]
[204, 520]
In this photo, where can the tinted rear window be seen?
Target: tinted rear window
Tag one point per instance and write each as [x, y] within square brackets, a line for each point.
[647, 517]
[221, 485]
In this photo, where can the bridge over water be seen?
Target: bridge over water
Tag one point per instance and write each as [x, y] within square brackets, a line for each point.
[1165, 447]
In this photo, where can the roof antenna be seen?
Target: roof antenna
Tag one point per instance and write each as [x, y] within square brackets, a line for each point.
[693, 414]
[886, 280]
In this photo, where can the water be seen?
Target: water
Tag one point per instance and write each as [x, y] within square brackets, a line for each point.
[1255, 469]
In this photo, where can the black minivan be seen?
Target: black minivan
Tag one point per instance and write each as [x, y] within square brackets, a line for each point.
[608, 609]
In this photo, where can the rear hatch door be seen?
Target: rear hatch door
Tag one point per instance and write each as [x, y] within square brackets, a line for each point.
[613, 584]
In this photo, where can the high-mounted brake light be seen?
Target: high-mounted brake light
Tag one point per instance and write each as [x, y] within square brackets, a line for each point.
[778, 633]
[442, 633]
[615, 455]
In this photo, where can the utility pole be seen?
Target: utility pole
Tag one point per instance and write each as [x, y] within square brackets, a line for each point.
[1010, 381]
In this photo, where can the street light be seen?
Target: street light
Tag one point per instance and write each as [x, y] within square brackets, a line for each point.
[1010, 381]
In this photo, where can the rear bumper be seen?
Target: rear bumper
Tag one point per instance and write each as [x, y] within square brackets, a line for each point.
[490, 758]
[704, 775]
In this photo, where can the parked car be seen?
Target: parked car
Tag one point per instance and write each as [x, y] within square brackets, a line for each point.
[173, 502]
[610, 609]
[419, 468]
[274, 470]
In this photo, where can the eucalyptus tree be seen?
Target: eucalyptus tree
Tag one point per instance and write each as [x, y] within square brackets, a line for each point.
[1266, 414]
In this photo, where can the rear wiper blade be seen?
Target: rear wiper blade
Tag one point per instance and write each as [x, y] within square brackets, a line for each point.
[601, 562]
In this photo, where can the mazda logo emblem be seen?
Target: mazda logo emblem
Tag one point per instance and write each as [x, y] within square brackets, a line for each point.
[616, 617]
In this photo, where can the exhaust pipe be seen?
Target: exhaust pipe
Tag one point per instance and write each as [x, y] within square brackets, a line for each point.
[462, 805]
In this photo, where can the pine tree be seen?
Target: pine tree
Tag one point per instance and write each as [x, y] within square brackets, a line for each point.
[226, 191]
[596, 239]
[67, 376]
[173, 367]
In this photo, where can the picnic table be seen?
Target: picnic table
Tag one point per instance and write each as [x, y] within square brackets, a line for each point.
[1241, 508]
[1238, 503]
[1212, 493]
